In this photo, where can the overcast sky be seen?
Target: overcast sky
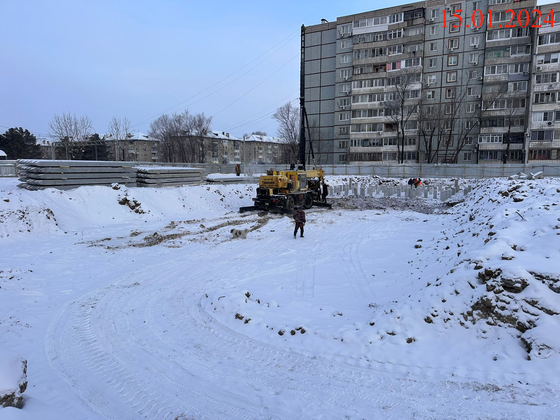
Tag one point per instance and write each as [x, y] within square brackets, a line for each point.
[235, 61]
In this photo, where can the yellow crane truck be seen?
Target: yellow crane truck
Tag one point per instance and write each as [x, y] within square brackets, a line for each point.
[281, 191]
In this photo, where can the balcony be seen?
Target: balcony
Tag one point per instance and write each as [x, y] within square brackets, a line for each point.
[544, 144]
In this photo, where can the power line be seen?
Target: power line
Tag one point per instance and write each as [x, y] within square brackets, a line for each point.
[278, 46]
[258, 117]
[263, 111]
[256, 86]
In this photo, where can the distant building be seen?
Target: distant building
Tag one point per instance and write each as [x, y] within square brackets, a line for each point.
[223, 148]
[137, 147]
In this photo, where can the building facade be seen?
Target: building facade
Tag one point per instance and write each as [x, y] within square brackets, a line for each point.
[435, 81]
[224, 148]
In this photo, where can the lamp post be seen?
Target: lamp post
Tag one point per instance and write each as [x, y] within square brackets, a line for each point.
[244, 167]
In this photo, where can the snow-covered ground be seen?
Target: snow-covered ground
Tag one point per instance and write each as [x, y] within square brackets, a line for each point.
[136, 303]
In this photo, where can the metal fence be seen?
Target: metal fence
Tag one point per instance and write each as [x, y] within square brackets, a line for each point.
[7, 168]
[442, 170]
[409, 170]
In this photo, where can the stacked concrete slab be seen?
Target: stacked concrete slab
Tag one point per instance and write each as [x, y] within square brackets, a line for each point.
[68, 174]
[165, 176]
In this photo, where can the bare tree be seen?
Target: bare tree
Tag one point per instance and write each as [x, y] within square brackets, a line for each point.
[402, 105]
[431, 129]
[164, 128]
[288, 117]
[119, 130]
[69, 129]
[446, 126]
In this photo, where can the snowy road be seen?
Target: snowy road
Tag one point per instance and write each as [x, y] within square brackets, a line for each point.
[145, 346]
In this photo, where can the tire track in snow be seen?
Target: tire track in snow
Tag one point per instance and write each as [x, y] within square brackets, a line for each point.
[143, 348]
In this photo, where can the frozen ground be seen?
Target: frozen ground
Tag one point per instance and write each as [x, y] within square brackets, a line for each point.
[136, 303]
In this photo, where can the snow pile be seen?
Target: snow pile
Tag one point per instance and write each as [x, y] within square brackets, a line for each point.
[38, 213]
[13, 379]
[505, 247]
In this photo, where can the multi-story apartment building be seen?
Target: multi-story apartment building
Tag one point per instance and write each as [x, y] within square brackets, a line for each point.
[224, 148]
[137, 147]
[435, 81]
[544, 124]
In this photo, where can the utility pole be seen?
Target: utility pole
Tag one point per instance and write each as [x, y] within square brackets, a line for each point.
[244, 167]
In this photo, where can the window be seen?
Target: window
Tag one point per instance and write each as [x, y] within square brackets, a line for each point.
[546, 78]
[344, 116]
[395, 34]
[395, 18]
[345, 29]
[452, 60]
[433, 46]
[471, 108]
[498, 34]
[431, 80]
[394, 49]
[345, 74]
[473, 58]
[454, 26]
[552, 38]
[545, 97]
[433, 13]
[449, 109]
[453, 43]
[345, 58]
[431, 94]
[345, 44]
[343, 144]
[539, 154]
[519, 68]
[411, 125]
[543, 116]
[433, 30]
[489, 155]
[490, 138]
[469, 124]
[547, 58]
[455, 9]
[432, 62]
[473, 74]
[542, 135]
[343, 130]
[413, 48]
[451, 76]
[498, 69]
[517, 86]
[412, 62]
[467, 156]
[450, 93]
[415, 31]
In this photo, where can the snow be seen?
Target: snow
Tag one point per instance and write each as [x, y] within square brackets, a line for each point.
[388, 308]
[10, 371]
